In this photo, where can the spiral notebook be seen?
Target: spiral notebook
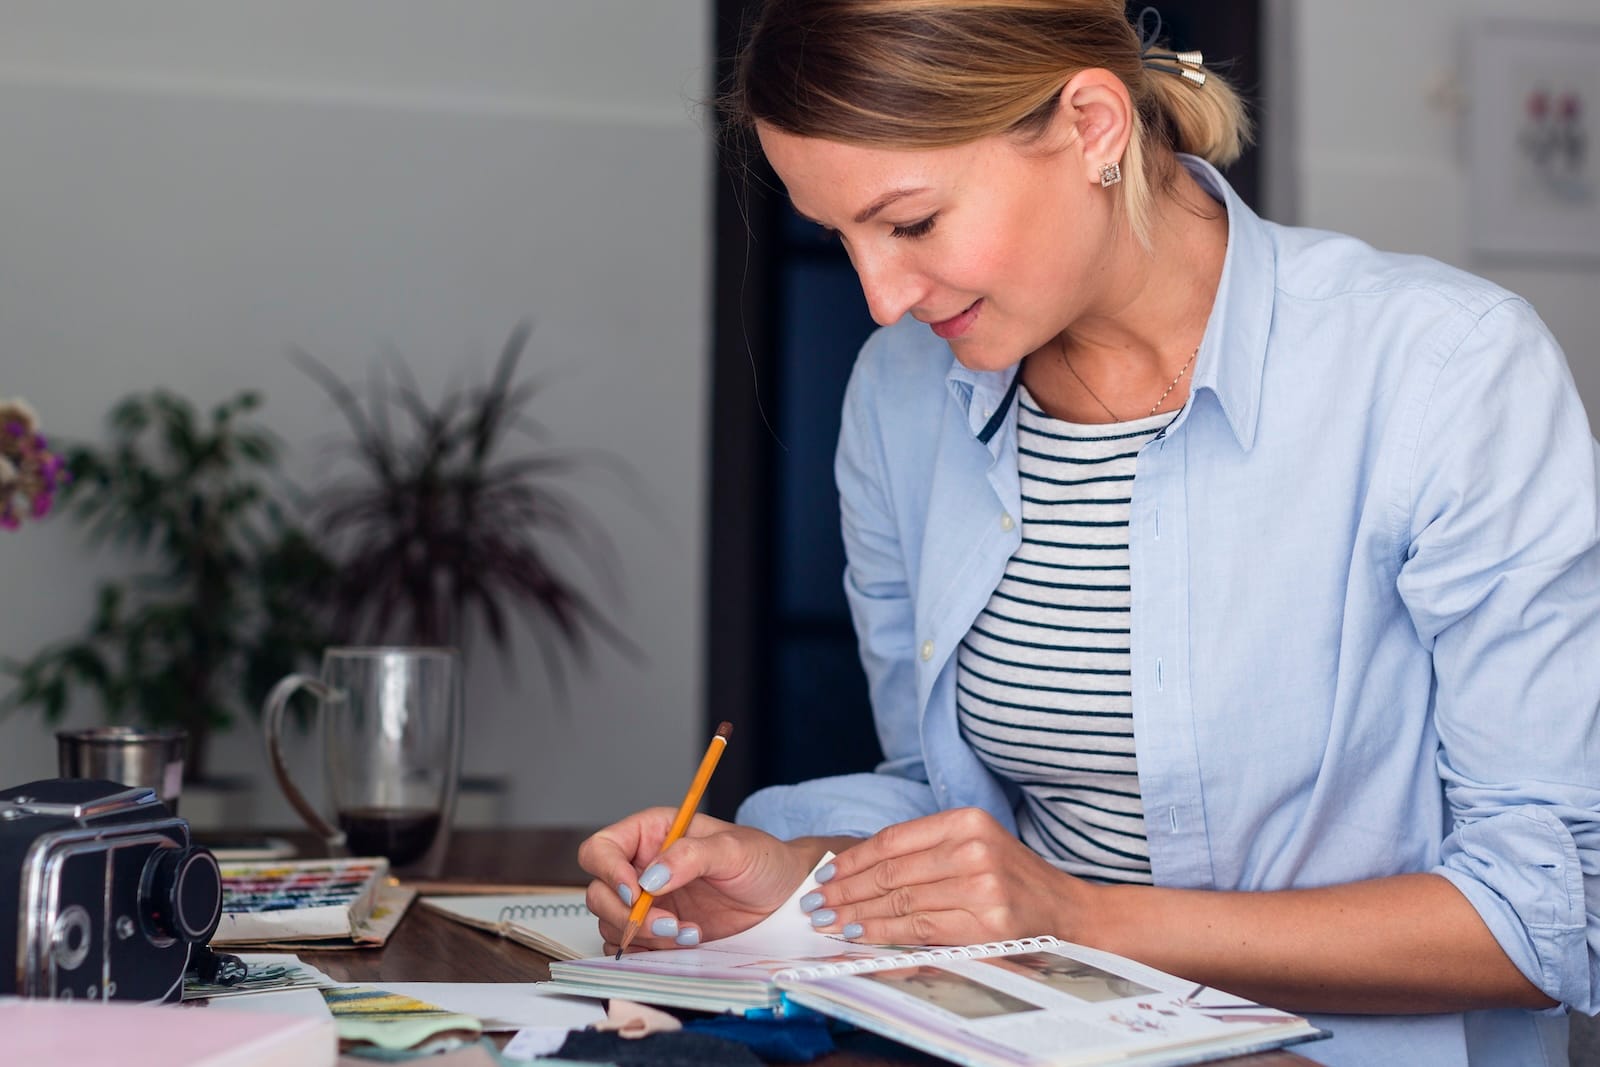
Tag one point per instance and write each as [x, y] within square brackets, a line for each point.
[1033, 1002]
[558, 924]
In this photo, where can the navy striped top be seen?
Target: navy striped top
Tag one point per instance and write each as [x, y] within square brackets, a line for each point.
[1044, 688]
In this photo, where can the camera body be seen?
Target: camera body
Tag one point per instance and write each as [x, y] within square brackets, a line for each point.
[109, 891]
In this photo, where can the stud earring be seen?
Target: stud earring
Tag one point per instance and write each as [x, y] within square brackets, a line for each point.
[1110, 173]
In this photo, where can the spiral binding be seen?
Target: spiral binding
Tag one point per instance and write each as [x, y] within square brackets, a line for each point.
[913, 959]
[541, 911]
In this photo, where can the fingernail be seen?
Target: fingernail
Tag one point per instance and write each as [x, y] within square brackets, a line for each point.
[811, 902]
[852, 931]
[688, 937]
[824, 917]
[666, 926]
[654, 877]
[826, 871]
[625, 891]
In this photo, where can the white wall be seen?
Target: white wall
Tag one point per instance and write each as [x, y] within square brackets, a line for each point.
[1374, 143]
[190, 188]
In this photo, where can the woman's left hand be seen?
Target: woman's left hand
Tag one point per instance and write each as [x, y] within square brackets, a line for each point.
[954, 878]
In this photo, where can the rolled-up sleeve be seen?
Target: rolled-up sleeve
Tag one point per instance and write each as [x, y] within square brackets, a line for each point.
[1502, 580]
[849, 805]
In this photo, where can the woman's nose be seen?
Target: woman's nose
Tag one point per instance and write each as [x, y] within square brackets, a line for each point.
[891, 290]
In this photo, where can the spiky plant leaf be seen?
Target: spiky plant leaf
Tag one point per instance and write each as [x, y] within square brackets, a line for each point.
[444, 532]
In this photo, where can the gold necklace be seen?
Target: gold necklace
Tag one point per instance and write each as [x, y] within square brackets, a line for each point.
[1062, 348]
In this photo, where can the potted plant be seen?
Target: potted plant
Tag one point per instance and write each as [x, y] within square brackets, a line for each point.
[443, 529]
[227, 602]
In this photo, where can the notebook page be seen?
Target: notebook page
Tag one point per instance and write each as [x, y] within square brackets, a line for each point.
[558, 924]
[787, 932]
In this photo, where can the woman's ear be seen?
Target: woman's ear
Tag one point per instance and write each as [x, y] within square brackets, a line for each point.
[1096, 105]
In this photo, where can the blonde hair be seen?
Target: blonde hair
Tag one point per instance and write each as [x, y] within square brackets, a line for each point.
[936, 73]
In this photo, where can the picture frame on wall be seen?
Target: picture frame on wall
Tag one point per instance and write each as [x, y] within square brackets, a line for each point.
[1533, 140]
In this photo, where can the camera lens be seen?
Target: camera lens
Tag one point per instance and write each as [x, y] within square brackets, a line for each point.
[182, 894]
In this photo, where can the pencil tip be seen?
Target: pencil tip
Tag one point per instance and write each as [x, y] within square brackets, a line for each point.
[627, 936]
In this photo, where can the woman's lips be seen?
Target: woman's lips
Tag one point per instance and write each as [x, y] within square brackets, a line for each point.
[956, 325]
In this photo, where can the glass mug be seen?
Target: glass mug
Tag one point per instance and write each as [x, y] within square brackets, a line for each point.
[391, 729]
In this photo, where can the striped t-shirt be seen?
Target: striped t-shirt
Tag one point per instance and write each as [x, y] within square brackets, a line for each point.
[1044, 686]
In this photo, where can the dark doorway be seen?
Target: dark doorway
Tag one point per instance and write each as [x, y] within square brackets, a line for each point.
[789, 317]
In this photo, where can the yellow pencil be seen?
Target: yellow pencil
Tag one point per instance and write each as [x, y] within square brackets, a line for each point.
[691, 801]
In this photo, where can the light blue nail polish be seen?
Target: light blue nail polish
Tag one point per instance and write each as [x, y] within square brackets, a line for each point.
[853, 931]
[625, 891]
[824, 917]
[654, 877]
[666, 926]
[826, 871]
[811, 902]
[688, 938]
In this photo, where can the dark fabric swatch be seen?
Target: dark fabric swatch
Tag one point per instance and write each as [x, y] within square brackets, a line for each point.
[681, 1048]
[774, 1040]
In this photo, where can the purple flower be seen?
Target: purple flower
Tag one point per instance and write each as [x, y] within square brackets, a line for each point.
[29, 471]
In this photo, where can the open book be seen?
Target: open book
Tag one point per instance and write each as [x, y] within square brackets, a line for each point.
[559, 924]
[1035, 1002]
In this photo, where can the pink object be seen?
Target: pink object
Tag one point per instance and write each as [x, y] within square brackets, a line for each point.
[79, 1034]
[632, 1020]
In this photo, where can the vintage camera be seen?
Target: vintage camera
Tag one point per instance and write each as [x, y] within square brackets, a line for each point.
[109, 893]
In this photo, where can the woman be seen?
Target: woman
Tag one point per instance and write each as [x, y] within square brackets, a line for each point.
[1227, 592]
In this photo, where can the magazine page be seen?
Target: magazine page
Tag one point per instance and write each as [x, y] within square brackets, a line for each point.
[1056, 1006]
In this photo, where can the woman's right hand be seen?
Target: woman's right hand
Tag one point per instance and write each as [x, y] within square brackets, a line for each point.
[716, 880]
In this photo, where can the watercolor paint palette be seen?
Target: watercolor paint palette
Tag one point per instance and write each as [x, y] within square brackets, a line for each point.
[300, 899]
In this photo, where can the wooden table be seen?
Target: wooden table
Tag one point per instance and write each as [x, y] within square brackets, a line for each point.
[426, 947]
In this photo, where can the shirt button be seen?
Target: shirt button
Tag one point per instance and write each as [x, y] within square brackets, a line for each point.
[1007, 523]
[927, 651]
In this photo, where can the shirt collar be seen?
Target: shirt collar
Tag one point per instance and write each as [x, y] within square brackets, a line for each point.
[986, 394]
[1233, 350]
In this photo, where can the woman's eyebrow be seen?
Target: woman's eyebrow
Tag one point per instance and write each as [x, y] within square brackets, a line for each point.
[884, 201]
[865, 214]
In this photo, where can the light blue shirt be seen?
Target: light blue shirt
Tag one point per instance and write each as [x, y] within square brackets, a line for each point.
[1366, 607]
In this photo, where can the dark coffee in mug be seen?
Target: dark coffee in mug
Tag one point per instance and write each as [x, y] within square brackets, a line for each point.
[391, 747]
[402, 834]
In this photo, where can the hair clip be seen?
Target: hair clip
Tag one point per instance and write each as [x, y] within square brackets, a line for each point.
[1184, 64]
[1195, 76]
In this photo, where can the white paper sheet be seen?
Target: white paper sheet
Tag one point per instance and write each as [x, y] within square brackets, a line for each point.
[534, 1042]
[306, 1002]
[787, 931]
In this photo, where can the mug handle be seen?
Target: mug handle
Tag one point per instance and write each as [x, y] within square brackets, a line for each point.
[277, 701]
